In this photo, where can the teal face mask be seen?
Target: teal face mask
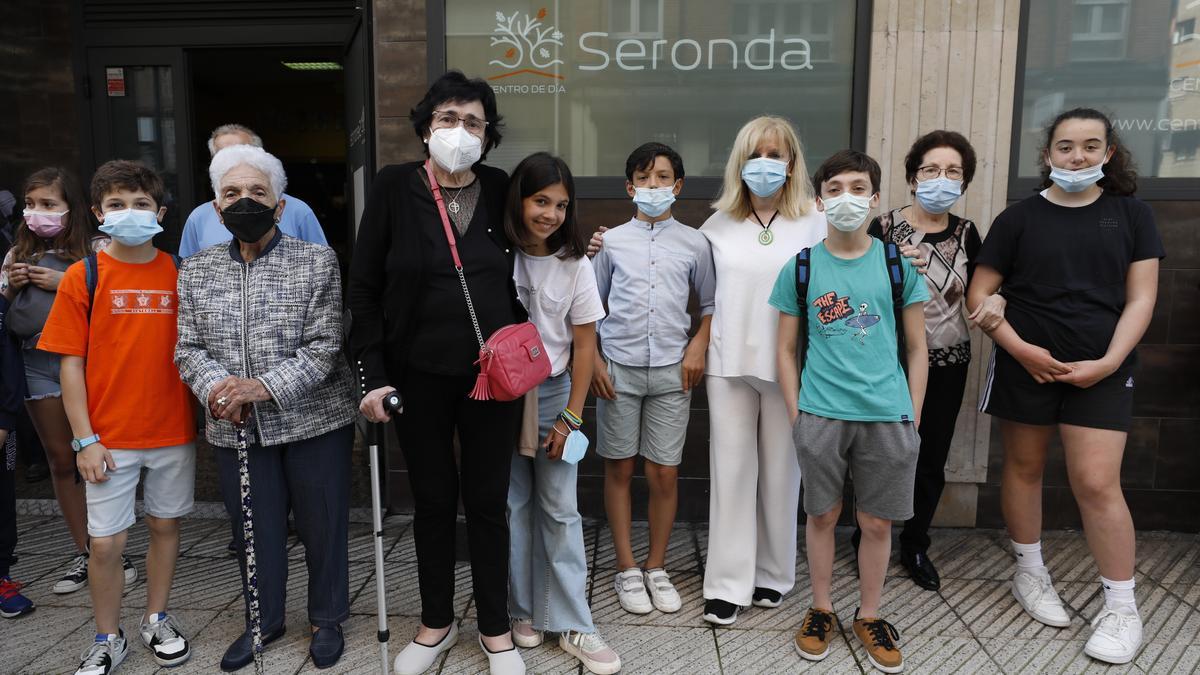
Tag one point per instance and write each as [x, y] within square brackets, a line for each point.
[131, 227]
[575, 447]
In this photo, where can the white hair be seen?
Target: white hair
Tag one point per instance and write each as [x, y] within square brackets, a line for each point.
[237, 155]
[234, 128]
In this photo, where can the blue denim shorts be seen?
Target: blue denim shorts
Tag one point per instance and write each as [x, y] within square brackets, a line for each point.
[41, 374]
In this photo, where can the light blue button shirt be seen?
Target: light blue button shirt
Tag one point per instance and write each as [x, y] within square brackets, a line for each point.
[644, 273]
[203, 228]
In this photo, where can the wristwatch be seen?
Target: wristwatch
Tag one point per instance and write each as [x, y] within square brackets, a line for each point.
[78, 444]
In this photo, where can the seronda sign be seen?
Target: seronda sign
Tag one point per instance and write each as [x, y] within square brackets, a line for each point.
[530, 45]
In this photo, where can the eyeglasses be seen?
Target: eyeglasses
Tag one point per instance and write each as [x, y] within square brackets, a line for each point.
[444, 119]
[930, 172]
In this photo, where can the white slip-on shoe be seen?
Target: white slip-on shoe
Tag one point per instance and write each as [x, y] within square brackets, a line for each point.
[505, 662]
[662, 591]
[1033, 588]
[631, 591]
[416, 658]
[524, 635]
[1116, 636]
[591, 650]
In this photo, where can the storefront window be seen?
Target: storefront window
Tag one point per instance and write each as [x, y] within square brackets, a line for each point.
[1141, 67]
[593, 80]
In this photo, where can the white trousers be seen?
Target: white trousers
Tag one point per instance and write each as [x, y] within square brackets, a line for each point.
[755, 490]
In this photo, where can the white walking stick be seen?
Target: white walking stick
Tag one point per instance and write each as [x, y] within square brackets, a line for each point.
[243, 453]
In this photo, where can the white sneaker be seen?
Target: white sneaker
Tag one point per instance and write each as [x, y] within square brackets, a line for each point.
[662, 592]
[591, 651]
[103, 657]
[524, 635]
[506, 662]
[130, 571]
[416, 658]
[631, 591]
[1116, 636]
[164, 639]
[1033, 588]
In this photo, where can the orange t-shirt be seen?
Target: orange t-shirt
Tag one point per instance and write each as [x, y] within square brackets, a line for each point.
[135, 397]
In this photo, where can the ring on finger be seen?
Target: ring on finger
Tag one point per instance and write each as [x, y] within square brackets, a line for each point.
[222, 401]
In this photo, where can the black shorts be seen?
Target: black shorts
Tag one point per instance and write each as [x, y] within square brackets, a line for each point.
[1011, 393]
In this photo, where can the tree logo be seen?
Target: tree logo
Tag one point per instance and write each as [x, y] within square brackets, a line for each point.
[530, 46]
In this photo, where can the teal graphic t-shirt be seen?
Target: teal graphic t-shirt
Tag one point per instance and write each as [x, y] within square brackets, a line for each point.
[852, 370]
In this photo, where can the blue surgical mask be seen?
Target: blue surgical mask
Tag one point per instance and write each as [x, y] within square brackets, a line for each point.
[847, 212]
[131, 227]
[764, 176]
[1076, 181]
[575, 447]
[939, 194]
[653, 201]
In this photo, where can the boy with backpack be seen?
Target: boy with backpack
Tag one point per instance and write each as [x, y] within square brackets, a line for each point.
[647, 367]
[114, 322]
[841, 306]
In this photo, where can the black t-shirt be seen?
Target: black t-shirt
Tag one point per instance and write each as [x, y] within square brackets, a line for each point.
[1064, 269]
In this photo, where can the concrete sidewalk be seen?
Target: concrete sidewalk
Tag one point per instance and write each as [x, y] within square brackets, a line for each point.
[972, 625]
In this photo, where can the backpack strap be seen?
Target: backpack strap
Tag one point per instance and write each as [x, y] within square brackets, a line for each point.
[803, 276]
[91, 268]
[895, 272]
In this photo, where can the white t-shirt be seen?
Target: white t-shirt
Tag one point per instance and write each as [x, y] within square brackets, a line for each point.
[743, 325]
[559, 293]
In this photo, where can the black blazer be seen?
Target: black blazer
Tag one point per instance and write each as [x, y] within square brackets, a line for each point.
[388, 272]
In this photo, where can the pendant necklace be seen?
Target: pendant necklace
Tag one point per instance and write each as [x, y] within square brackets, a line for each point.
[453, 205]
[765, 237]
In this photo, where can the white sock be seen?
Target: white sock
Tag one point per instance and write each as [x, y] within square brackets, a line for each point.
[1118, 595]
[1028, 555]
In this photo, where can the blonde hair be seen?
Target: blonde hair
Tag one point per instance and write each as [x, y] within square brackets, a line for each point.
[795, 196]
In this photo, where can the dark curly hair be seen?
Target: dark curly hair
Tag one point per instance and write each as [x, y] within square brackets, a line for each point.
[458, 88]
[535, 172]
[1120, 174]
[941, 138]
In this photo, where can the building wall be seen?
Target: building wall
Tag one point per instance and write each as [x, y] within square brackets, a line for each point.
[39, 125]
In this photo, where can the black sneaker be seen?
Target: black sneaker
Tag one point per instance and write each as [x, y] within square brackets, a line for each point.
[129, 569]
[105, 654]
[765, 597]
[720, 612]
[76, 576]
[162, 637]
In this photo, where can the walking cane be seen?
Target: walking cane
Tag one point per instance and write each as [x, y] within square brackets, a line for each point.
[243, 453]
[393, 405]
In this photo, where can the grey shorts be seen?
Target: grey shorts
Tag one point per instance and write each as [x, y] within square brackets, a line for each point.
[881, 457]
[41, 374]
[649, 415]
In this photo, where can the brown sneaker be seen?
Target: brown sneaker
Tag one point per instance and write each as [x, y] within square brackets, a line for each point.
[815, 634]
[879, 638]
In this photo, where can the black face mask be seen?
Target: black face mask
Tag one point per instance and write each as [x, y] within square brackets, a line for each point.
[248, 220]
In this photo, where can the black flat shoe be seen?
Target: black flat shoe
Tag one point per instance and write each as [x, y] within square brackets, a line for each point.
[326, 646]
[921, 570]
[241, 652]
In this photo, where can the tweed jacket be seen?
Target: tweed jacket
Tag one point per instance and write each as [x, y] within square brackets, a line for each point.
[278, 319]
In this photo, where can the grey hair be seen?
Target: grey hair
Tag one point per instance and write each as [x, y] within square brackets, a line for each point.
[234, 128]
[237, 155]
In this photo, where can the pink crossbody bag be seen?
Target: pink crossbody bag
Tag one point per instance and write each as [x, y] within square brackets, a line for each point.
[513, 359]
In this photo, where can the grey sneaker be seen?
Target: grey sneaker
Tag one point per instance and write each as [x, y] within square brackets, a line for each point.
[592, 652]
[631, 591]
[164, 639]
[105, 654]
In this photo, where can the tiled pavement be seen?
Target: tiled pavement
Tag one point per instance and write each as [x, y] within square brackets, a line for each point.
[972, 625]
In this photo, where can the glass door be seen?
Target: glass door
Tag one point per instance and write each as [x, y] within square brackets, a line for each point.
[139, 112]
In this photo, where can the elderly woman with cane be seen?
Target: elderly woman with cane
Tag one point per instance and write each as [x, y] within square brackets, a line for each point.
[260, 343]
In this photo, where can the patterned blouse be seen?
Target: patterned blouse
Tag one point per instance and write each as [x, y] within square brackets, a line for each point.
[951, 254]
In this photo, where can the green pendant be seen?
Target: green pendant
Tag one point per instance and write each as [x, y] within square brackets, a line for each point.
[765, 237]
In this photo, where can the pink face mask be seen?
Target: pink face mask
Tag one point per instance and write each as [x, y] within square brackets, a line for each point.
[45, 224]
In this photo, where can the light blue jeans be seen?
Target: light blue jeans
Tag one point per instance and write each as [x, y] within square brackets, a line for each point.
[547, 578]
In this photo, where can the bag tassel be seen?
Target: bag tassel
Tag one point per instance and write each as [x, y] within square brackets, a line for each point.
[482, 391]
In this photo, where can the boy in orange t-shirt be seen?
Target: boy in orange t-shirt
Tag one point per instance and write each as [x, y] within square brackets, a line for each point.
[127, 407]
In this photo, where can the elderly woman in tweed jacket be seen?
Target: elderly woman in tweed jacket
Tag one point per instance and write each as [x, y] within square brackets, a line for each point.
[260, 343]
